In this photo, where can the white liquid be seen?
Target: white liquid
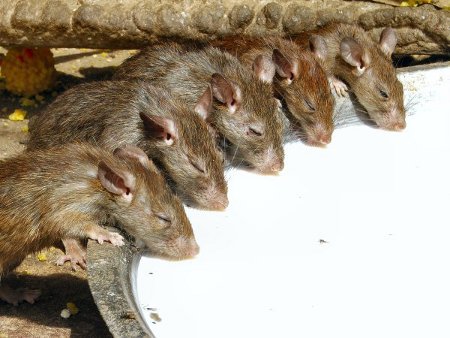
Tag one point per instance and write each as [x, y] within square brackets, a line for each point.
[381, 201]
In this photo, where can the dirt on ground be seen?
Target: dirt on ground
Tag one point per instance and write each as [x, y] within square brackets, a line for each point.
[59, 284]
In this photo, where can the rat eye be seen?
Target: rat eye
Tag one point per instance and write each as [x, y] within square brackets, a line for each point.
[253, 131]
[310, 106]
[197, 166]
[164, 218]
[383, 94]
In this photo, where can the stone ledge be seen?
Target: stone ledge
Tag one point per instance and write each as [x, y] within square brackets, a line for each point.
[109, 276]
[135, 23]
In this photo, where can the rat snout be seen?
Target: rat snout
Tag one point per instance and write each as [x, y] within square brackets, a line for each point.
[215, 198]
[320, 138]
[186, 247]
[319, 133]
[395, 120]
[220, 202]
[276, 165]
[396, 126]
[272, 164]
[272, 167]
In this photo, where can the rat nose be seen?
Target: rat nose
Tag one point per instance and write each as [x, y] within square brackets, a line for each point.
[276, 166]
[324, 139]
[192, 248]
[399, 126]
[220, 202]
[187, 247]
[396, 126]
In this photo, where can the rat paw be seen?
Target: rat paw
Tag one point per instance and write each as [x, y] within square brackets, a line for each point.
[14, 297]
[339, 86]
[112, 237]
[74, 261]
[115, 239]
[75, 254]
[102, 235]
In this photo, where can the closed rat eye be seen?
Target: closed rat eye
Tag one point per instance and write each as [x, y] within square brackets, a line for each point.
[164, 218]
[383, 94]
[310, 106]
[197, 166]
[254, 131]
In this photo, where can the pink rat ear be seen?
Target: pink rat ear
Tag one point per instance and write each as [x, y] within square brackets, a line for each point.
[264, 68]
[116, 181]
[225, 92]
[160, 127]
[204, 104]
[285, 68]
[388, 41]
[318, 46]
[354, 54]
[132, 152]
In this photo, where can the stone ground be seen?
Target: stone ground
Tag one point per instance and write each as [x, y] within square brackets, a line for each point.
[59, 285]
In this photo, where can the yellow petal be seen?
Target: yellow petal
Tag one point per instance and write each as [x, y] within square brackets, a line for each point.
[72, 308]
[42, 257]
[18, 115]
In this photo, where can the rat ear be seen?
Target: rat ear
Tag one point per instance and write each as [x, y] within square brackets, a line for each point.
[318, 46]
[116, 181]
[284, 67]
[160, 128]
[264, 68]
[225, 91]
[132, 152]
[388, 40]
[354, 55]
[204, 104]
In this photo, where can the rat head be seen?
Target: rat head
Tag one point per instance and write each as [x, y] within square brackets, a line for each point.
[187, 153]
[373, 79]
[143, 205]
[303, 86]
[246, 115]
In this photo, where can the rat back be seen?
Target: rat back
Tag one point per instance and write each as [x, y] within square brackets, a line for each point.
[114, 113]
[244, 112]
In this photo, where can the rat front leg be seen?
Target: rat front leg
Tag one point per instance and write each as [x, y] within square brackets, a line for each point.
[101, 235]
[75, 254]
[339, 86]
[15, 296]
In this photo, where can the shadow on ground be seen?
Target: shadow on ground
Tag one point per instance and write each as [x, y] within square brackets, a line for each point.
[57, 290]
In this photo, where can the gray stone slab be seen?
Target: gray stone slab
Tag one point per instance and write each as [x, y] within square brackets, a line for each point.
[135, 23]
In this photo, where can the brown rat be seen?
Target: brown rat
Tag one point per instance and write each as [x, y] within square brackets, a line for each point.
[300, 82]
[68, 192]
[350, 55]
[245, 113]
[113, 113]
